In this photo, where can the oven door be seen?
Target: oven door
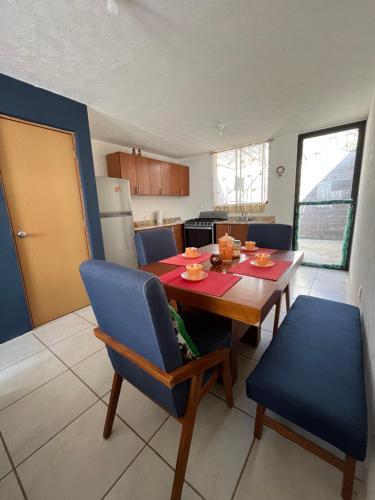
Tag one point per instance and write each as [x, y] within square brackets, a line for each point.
[198, 236]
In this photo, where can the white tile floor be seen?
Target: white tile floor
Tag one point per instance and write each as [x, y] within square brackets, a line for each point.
[54, 387]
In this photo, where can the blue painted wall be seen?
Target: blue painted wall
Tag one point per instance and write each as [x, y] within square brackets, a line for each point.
[21, 100]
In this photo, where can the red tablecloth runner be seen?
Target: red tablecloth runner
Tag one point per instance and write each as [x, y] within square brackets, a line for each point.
[215, 284]
[179, 260]
[270, 251]
[268, 273]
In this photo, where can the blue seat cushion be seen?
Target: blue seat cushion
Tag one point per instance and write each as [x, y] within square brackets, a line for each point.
[313, 373]
[207, 331]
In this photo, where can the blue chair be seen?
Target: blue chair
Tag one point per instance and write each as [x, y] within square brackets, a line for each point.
[135, 324]
[271, 235]
[277, 236]
[154, 244]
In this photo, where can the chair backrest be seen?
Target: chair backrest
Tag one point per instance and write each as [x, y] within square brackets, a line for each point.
[271, 235]
[131, 307]
[154, 244]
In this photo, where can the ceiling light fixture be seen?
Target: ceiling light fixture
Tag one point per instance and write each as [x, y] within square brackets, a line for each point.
[220, 128]
[112, 7]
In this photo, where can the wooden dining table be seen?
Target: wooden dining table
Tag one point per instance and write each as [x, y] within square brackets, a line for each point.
[244, 306]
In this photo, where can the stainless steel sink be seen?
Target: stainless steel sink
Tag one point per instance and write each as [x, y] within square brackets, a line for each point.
[241, 218]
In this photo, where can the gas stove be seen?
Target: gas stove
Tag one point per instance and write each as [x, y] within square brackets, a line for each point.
[206, 219]
[201, 231]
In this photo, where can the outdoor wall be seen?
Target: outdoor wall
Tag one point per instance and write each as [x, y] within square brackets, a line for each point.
[362, 273]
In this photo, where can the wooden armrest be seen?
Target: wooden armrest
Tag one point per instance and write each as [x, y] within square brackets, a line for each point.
[198, 365]
[143, 363]
[168, 379]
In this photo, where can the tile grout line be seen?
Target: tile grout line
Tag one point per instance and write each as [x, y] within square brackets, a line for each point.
[151, 448]
[65, 338]
[172, 468]
[33, 390]
[57, 433]
[147, 444]
[124, 471]
[236, 407]
[26, 357]
[67, 368]
[82, 317]
[242, 469]
[13, 467]
[136, 456]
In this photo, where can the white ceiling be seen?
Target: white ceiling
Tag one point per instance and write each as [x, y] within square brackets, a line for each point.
[161, 73]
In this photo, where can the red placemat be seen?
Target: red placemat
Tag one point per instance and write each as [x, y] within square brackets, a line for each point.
[270, 251]
[215, 284]
[179, 260]
[268, 273]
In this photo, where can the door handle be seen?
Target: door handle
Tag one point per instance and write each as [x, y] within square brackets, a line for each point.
[22, 234]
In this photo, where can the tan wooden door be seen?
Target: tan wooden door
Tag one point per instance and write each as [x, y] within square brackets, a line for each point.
[42, 189]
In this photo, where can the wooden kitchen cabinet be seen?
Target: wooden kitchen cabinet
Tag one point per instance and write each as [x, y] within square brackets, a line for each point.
[184, 180]
[148, 176]
[170, 179]
[239, 231]
[221, 229]
[122, 165]
[142, 175]
[154, 168]
[178, 231]
[236, 231]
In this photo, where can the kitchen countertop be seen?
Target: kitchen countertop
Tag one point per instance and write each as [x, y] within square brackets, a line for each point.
[155, 226]
[265, 220]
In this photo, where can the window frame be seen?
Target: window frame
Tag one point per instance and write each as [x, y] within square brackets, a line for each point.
[238, 193]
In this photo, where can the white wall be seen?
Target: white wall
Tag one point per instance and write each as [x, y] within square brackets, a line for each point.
[171, 206]
[283, 151]
[280, 189]
[362, 273]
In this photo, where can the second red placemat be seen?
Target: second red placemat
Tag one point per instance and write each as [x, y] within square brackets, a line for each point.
[179, 260]
[267, 273]
[215, 284]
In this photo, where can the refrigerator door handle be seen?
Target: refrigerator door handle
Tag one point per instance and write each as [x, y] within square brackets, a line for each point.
[115, 214]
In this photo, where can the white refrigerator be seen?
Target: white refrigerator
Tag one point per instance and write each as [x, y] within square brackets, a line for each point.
[116, 219]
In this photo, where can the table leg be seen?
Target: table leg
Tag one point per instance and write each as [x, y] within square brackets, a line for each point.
[241, 331]
[252, 335]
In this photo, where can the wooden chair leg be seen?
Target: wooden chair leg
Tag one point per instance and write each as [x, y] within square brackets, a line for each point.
[112, 407]
[188, 422]
[227, 380]
[348, 479]
[258, 428]
[277, 316]
[287, 297]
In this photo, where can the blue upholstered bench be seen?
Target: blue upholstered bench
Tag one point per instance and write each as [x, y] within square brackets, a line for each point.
[312, 374]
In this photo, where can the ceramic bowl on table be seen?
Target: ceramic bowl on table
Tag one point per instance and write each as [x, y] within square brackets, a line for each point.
[262, 260]
[194, 272]
[191, 253]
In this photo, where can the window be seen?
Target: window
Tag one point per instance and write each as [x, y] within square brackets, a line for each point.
[240, 178]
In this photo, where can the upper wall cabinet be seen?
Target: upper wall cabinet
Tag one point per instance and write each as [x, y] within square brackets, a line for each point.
[148, 176]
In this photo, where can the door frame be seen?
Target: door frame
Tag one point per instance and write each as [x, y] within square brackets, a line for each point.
[361, 125]
[79, 181]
